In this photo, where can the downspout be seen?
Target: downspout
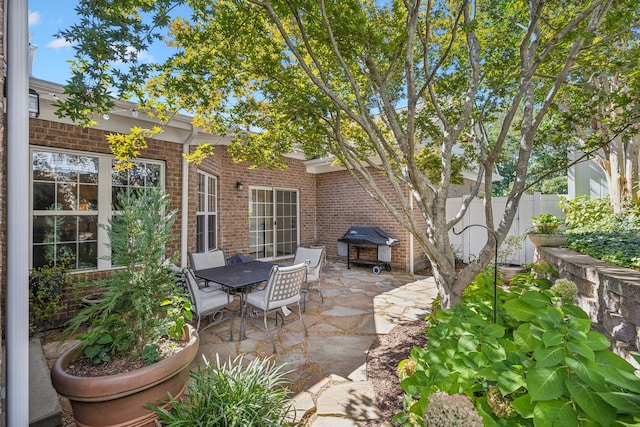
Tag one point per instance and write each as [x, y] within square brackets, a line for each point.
[17, 226]
[411, 262]
[184, 222]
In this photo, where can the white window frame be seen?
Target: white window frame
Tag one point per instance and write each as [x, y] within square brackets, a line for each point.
[207, 211]
[104, 211]
[274, 218]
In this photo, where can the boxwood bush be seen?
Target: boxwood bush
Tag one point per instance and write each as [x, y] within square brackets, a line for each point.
[539, 365]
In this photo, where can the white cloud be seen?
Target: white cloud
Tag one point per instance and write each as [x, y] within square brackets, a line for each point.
[34, 18]
[142, 55]
[145, 56]
[58, 44]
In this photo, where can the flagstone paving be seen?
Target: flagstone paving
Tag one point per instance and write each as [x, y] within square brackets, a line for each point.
[327, 368]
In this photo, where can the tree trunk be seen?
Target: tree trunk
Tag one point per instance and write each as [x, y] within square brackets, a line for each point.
[619, 162]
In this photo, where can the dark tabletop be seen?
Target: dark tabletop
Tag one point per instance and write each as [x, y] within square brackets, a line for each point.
[237, 275]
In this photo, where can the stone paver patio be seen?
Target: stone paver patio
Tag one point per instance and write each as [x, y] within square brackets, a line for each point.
[328, 368]
[328, 371]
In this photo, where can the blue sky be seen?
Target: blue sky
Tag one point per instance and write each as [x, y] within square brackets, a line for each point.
[46, 17]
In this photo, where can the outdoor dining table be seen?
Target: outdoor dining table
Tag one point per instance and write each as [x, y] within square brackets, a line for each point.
[240, 277]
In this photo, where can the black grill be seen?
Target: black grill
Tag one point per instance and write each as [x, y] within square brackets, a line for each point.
[361, 237]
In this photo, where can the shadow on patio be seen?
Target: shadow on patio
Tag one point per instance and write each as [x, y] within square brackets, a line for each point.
[358, 306]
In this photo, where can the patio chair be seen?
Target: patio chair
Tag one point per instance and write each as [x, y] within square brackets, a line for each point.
[314, 258]
[210, 259]
[281, 292]
[208, 303]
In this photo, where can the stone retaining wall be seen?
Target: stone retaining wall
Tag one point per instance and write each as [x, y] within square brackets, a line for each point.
[609, 294]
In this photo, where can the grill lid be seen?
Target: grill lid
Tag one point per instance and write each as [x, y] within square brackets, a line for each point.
[363, 235]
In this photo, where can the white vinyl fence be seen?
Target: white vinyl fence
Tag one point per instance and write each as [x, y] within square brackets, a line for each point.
[469, 243]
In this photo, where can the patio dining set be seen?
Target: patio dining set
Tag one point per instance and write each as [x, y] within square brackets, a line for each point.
[262, 287]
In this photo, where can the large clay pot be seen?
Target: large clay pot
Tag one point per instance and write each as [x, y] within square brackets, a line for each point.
[548, 239]
[509, 271]
[120, 400]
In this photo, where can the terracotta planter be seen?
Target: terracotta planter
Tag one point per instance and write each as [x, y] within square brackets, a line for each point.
[548, 239]
[509, 271]
[120, 400]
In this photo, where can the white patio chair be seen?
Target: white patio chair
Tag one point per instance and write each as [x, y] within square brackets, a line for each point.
[281, 292]
[314, 258]
[208, 303]
[210, 259]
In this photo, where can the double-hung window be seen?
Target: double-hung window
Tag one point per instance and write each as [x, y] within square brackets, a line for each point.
[71, 194]
[206, 213]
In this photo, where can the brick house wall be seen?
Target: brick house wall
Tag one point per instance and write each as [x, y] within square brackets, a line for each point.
[343, 203]
[50, 134]
[233, 204]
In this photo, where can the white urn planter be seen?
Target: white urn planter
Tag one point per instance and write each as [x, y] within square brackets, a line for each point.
[548, 239]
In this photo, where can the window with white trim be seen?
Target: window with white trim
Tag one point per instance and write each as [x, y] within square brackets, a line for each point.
[72, 193]
[207, 213]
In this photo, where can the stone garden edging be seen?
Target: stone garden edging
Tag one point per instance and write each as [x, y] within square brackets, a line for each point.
[609, 294]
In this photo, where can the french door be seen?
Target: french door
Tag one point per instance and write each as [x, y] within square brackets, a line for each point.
[273, 222]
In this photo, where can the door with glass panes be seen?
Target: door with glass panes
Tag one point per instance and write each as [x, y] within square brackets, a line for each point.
[273, 222]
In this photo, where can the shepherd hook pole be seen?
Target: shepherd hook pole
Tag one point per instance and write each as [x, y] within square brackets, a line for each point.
[495, 266]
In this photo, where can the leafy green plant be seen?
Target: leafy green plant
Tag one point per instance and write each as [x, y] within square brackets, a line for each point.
[509, 249]
[96, 346]
[545, 223]
[231, 395]
[539, 365]
[137, 306]
[151, 354]
[598, 232]
[178, 313]
[584, 211]
[47, 287]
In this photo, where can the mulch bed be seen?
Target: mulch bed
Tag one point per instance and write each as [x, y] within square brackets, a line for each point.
[382, 363]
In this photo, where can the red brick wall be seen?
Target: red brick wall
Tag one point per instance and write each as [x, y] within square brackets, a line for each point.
[67, 136]
[342, 203]
[233, 204]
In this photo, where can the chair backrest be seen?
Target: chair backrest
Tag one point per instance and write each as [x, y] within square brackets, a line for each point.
[314, 257]
[193, 288]
[209, 259]
[283, 286]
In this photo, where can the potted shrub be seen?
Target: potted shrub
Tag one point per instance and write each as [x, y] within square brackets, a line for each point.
[546, 223]
[136, 348]
[545, 231]
[507, 253]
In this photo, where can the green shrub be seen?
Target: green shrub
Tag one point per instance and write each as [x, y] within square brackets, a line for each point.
[539, 365]
[584, 211]
[231, 395]
[598, 232]
[141, 303]
[47, 287]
